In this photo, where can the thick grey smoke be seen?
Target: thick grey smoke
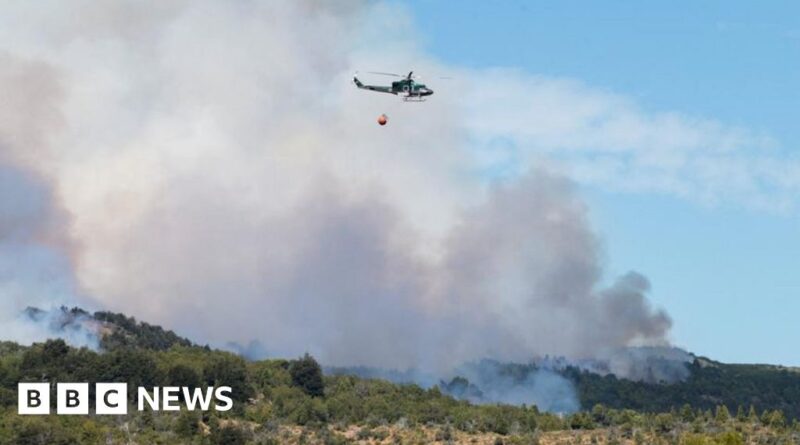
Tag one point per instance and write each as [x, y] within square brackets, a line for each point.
[527, 261]
[34, 270]
[29, 270]
[517, 276]
[222, 177]
[36, 267]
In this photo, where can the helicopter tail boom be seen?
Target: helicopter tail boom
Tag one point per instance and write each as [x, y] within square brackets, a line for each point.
[372, 87]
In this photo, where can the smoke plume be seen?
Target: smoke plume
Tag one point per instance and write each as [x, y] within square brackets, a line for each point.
[208, 166]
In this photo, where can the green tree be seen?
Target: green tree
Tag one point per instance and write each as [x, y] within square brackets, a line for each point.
[664, 422]
[775, 419]
[600, 414]
[54, 350]
[722, 415]
[581, 420]
[183, 376]
[187, 424]
[227, 435]
[752, 415]
[307, 375]
[229, 370]
[740, 415]
[7, 397]
[687, 413]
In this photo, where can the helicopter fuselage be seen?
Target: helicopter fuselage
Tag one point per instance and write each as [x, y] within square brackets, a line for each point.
[408, 89]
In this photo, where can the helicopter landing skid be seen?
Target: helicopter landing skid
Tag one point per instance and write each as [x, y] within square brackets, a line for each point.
[413, 99]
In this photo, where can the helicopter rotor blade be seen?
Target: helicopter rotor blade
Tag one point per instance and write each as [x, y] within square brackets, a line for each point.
[408, 76]
[385, 74]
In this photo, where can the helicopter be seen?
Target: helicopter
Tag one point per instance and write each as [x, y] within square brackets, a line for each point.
[407, 87]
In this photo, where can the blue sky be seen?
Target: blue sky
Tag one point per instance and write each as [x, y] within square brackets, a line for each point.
[727, 273]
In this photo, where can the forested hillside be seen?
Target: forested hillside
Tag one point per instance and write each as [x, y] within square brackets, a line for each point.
[291, 401]
[709, 384]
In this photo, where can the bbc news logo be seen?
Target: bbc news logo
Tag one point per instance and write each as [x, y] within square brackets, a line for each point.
[112, 398]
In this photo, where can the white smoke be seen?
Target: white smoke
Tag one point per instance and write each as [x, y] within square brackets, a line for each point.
[223, 177]
[488, 381]
[76, 327]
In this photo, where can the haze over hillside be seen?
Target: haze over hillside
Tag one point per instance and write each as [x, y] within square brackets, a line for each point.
[664, 380]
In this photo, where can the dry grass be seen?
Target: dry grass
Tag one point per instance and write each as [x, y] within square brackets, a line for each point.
[385, 435]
